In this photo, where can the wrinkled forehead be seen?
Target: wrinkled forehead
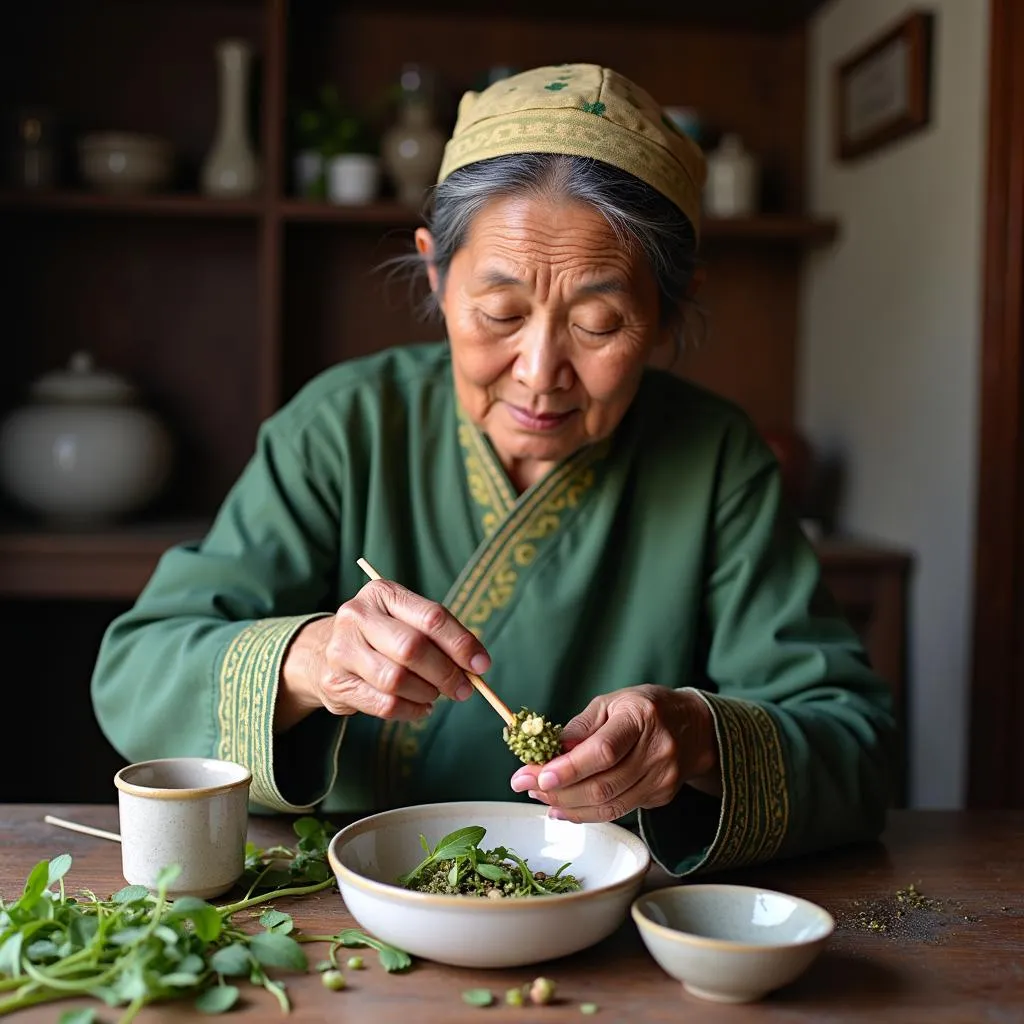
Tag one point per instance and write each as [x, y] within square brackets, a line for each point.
[532, 244]
[511, 237]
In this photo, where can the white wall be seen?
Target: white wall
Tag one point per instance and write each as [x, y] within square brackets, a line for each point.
[890, 340]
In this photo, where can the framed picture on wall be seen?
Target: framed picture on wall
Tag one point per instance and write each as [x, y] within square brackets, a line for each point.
[883, 91]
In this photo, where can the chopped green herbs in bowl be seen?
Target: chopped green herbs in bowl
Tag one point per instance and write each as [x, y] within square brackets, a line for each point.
[458, 866]
[426, 879]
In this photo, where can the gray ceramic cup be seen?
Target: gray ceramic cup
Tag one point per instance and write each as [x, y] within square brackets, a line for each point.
[188, 811]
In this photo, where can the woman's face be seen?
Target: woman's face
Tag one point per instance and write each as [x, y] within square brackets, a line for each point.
[551, 321]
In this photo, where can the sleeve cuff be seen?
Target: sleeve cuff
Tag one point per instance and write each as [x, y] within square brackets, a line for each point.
[248, 678]
[753, 813]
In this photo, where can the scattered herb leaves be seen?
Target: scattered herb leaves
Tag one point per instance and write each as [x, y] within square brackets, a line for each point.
[137, 947]
[391, 958]
[478, 996]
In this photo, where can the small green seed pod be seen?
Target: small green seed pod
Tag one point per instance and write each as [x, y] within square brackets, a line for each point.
[334, 980]
[515, 997]
[542, 991]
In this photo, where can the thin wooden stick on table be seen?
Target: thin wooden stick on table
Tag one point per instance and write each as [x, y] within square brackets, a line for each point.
[88, 830]
[479, 685]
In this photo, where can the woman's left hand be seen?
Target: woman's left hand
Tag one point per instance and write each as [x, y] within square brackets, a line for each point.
[627, 749]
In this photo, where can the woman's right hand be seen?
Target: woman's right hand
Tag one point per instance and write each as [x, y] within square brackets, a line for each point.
[387, 652]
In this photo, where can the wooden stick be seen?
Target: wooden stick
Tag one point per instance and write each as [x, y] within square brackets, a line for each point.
[479, 685]
[73, 826]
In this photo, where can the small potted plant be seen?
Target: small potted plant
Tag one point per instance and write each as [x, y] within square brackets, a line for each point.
[308, 136]
[337, 154]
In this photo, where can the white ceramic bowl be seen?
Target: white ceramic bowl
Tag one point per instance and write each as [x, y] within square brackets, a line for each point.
[731, 943]
[125, 162]
[470, 931]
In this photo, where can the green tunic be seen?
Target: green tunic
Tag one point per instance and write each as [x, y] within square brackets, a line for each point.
[664, 555]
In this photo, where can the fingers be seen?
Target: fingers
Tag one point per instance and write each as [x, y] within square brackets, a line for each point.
[590, 782]
[602, 750]
[630, 798]
[631, 759]
[397, 655]
[435, 621]
[371, 684]
[390, 679]
[419, 636]
[585, 724]
[367, 699]
[391, 653]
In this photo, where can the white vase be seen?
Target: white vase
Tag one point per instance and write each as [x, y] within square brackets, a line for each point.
[733, 177]
[353, 178]
[231, 167]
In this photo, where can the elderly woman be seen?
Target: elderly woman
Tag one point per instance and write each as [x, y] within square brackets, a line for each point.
[608, 543]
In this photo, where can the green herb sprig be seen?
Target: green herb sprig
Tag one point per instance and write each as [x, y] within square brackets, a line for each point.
[458, 866]
[139, 947]
[454, 845]
[391, 958]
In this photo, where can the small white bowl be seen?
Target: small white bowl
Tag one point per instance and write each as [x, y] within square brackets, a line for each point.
[125, 162]
[368, 856]
[731, 943]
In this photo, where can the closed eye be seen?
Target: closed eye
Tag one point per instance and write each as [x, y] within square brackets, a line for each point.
[596, 334]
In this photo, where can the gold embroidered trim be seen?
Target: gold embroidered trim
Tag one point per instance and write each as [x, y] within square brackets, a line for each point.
[488, 484]
[535, 515]
[247, 691]
[488, 581]
[755, 798]
[492, 582]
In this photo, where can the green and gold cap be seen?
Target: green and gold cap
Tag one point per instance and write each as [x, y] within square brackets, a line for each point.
[579, 110]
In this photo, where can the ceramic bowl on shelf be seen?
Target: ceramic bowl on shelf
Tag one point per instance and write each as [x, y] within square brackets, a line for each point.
[125, 162]
[370, 855]
[731, 943]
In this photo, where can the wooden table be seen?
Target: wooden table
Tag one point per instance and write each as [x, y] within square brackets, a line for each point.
[964, 963]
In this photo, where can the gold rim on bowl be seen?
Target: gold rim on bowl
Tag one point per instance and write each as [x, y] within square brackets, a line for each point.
[123, 783]
[692, 938]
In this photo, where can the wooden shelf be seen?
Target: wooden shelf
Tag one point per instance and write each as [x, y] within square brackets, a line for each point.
[755, 15]
[115, 563]
[808, 231]
[383, 214]
[170, 205]
[112, 564]
[770, 228]
[862, 553]
[767, 228]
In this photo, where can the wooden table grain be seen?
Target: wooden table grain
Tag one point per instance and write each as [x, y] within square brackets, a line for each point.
[961, 965]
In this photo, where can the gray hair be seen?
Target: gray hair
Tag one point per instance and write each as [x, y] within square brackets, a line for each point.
[641, 217]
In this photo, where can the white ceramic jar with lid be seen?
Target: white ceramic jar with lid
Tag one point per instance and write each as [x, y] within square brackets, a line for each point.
[84, 451]
[733, 180]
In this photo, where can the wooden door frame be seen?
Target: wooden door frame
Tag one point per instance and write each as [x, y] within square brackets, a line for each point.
[996, 755]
